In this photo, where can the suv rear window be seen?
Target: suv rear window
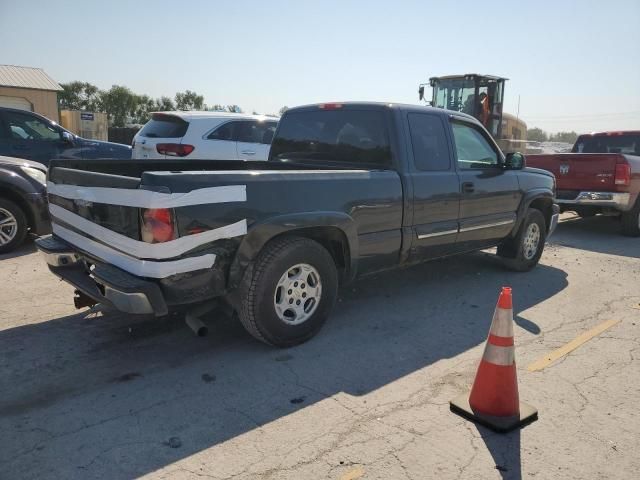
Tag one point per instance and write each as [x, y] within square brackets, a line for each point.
[345, 136]
[627, 144]
[164, 126]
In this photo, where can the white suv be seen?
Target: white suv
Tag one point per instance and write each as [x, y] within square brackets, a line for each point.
[205, 136]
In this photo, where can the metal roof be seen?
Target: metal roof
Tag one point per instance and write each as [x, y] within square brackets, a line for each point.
[26, 77]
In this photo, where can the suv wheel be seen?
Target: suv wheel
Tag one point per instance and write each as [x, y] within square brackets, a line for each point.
[13, 225]
[289, 291]
[523, 252]
[631, 221]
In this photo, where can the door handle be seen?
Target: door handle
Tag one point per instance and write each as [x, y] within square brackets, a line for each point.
[467, 187]
[248, 152]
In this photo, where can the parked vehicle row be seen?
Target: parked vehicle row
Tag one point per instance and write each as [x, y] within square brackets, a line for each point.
[31, 136]
[600, 175]
[205, 136]
[348, 190]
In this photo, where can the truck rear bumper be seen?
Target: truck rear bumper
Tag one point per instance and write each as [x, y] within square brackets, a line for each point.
[617, 200]
[105, 284]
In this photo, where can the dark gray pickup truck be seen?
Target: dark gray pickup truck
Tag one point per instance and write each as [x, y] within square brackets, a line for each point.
[349, 189]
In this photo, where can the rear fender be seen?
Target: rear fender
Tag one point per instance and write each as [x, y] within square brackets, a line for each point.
[305, 224]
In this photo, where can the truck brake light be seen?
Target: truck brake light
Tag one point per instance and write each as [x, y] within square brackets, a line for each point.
[623, 174]
[174, 149]
[330, 106]
[157, 225]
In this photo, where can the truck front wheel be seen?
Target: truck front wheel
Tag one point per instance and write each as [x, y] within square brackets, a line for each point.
[288, 292]
[523, 252]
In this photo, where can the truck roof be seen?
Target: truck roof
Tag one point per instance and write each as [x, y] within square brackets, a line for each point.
[612, 133]
[381, 106]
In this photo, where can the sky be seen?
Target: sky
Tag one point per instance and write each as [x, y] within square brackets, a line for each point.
[571, 65]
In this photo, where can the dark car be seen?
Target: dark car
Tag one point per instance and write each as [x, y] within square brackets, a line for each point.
[349, 189]
[34, 137]
[23, 201]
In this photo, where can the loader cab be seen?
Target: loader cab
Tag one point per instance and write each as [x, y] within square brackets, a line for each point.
[481, 96]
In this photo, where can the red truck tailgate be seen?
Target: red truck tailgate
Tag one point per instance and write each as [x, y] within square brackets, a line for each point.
[579, 171]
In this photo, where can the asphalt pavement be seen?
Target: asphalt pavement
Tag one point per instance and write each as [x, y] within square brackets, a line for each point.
[90, 394]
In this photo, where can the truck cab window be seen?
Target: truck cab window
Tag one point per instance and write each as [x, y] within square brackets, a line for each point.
[26, 127]
[430, 152]
[472, 149]
[345, 136]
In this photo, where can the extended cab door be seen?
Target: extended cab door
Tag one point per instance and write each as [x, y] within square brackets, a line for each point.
[436, 188]
[489, 194]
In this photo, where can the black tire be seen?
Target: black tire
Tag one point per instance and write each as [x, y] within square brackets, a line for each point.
[257, 310]
[631, 221]
[19, 234]
[516, 255]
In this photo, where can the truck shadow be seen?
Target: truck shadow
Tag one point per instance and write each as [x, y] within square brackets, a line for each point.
[598, 234]
[26, 248]
[88, 394]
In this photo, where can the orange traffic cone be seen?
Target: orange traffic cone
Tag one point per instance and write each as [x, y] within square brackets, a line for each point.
[493, 401]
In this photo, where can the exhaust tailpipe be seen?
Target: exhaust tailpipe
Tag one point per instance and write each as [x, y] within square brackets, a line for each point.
[195, 324]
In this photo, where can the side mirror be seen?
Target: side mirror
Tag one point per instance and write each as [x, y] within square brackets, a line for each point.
[421, 92]
[68, 138]
[514, 161]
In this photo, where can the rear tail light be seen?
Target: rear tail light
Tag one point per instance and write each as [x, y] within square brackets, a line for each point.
[157, 225]
[174, 149]
[623, 174]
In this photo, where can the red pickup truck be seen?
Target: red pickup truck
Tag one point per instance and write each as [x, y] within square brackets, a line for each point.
[600, 175]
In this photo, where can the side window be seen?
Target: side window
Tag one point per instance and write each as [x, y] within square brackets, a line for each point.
[472, 149]
[224, 132]
[430, 152]
[256, 132]
[27, 127]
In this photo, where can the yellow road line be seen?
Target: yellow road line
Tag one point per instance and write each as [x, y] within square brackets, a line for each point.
[353, 474]
[572, 345]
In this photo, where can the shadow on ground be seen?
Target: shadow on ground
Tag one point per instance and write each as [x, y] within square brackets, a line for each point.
[25, 249]
[598, 234]
[89, 393]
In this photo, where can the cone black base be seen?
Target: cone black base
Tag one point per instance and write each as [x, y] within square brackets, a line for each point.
[528, 414]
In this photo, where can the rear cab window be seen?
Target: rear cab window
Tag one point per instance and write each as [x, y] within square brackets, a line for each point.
[338, 135]
[164, 126]
[628, 144]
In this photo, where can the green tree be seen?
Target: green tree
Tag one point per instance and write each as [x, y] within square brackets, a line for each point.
[189, 100]
[217, 108]
[234, 109]
[119, 103]
[566, 137]
[163, 104]
[536, 134]
[79, 96]
[143, 107]
[282, 110]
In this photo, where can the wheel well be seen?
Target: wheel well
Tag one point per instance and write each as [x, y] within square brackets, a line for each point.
[18, 200]
[331, 238]
[545, 205]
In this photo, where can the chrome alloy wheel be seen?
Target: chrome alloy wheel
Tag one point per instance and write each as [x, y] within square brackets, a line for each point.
[8, 226]
[531, 241]
[297, 294]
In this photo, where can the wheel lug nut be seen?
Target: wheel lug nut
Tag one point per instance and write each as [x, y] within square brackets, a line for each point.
[290, 300]
[290, 292]
[302, 286]
[298, 302]
[295, 284]
[304, 295]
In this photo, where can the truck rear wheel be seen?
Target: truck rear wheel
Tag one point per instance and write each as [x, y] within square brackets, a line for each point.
[289, 291]
[523, 252]
[13, 226]
[631, 221]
